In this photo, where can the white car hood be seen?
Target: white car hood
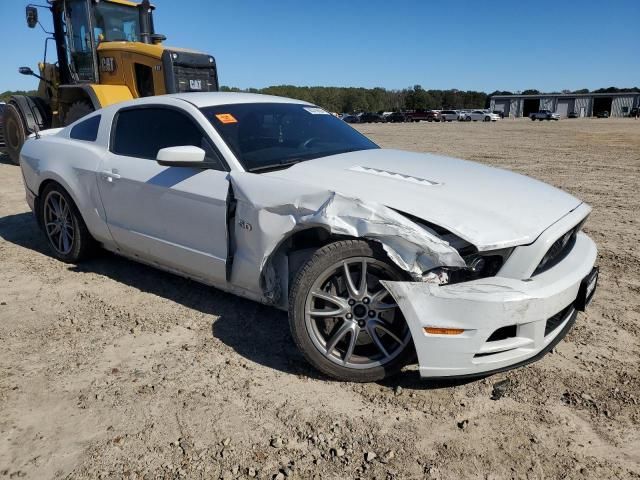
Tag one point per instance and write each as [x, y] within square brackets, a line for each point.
[488, 207]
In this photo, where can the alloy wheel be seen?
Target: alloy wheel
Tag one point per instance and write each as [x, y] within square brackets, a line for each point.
[351, 318]
[59, 223]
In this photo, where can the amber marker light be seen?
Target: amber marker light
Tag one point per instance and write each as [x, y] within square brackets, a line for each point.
[443, 331]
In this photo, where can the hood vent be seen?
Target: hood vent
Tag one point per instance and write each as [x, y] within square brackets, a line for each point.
[394, 175]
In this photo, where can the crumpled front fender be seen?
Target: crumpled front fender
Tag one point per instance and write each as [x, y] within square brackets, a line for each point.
[268, 209]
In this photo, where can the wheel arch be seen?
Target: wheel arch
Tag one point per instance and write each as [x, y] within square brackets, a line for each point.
[34, 111]
[97, 95]
[51, 178]
[294, 250]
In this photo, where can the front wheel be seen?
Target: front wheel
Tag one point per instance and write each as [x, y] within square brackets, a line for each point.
[68, 236]
[343, 320]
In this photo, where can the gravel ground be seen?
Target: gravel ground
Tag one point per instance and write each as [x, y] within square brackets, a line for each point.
[110, 369]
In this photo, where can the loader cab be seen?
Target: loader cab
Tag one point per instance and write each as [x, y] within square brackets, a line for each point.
[107, 52]
[80, 26]
[79, 40]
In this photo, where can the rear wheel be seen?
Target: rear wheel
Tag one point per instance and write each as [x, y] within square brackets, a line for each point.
[77, 110]
[343, 320]
[15, 132]
[68, 236]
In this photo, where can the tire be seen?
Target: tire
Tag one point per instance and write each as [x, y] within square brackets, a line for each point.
[64, 221]
[15, 132]
[467, 119]
[355, 355]
[487, 119]
[77, 110]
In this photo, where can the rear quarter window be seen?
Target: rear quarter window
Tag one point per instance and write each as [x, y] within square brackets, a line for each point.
[86, 130]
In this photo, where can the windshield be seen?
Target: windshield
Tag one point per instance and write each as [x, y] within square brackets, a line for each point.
[268, 136]
[116, 23]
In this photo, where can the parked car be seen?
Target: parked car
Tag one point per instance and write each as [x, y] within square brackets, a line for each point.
[544, 115]
[448, 115]
[417, 115]
[602, 114]
[572, 114]
[500, 113]
[433, 116]
[370, 117]
[398, 117]
[473, 268]
[351, 118]
[481, 115]
[2, 106]
[462, 114]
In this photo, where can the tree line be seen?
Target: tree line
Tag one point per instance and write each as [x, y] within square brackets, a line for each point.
[355, 99]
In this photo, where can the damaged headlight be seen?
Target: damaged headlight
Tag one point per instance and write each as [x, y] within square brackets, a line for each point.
[479, 265]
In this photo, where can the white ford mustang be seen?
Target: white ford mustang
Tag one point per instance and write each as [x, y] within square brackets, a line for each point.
[377, 254]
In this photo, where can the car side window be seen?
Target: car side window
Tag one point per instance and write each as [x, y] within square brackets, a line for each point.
[86, 130]
[142, 132]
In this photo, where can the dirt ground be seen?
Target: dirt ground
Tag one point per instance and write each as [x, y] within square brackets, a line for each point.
[110, 369]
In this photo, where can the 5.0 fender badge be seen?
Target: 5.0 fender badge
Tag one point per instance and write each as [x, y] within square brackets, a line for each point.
[245, 225]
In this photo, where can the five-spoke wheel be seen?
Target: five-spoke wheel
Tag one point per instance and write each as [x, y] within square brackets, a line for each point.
[343, 319]
[58, 222]
[63, 225]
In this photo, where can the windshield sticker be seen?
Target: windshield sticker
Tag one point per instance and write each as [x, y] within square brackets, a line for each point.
[316, 111]
[226, 118]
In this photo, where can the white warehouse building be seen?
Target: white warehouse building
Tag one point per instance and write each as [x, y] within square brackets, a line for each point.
[583, 104]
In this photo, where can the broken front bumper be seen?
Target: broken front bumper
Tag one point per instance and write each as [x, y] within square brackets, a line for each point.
[506, 322]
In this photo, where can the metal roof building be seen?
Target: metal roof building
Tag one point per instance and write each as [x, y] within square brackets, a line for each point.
[584, 104]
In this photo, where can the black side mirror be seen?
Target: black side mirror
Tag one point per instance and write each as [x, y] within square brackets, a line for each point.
[25, 71]
[157, 38]
[32, 17]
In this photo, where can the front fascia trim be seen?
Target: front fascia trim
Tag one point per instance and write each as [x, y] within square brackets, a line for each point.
[482, 306]
[524, 259]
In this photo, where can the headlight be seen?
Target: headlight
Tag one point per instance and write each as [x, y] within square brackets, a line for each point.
[479, 265]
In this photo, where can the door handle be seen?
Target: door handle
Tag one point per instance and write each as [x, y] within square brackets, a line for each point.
[110, 176]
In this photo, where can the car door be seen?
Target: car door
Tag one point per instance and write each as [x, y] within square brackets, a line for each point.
[171, 216]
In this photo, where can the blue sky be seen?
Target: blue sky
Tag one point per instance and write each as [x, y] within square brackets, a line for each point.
[469, 45]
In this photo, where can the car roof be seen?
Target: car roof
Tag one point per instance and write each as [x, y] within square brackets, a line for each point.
[211, 99]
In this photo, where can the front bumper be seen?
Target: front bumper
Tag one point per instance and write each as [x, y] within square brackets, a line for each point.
[522, 308]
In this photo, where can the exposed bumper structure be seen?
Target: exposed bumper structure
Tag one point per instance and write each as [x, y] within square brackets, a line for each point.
[506, 322]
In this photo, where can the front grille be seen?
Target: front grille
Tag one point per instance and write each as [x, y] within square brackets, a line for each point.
[560, 248]
[555, 321]
[189, 72]
[195, 79]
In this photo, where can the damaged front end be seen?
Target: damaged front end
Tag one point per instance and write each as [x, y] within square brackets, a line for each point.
[485, 325]
[469, 312]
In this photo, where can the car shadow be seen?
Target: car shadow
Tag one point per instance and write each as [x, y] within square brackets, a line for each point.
[254, 331]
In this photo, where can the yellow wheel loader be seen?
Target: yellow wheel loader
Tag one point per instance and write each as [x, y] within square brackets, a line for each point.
[107, 52]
